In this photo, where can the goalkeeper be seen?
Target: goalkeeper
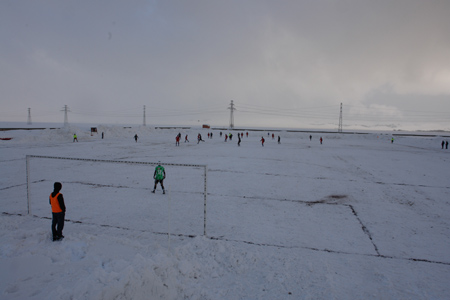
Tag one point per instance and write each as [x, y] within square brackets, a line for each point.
[159, 176]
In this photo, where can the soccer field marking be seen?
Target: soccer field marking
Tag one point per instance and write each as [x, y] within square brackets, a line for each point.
[364, 228]
[221, 238]
[330, 200]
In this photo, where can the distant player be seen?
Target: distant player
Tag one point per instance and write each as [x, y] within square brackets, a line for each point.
[159, 176]
[186, 139]
[75, 138]
[199, 138]
[136, 137]
[239, 140]
[177, 140]
[262, 141]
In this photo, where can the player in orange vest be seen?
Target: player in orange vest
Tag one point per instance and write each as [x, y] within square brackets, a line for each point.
[56, 200]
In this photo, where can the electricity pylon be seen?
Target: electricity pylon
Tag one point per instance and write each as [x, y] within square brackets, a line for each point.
[232, 109]
[66, 119]
[144, 117]
[29, 117]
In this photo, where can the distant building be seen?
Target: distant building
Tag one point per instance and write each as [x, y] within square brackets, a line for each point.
[206, 126]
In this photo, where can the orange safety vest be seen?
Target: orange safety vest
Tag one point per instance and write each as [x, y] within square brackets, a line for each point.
[55, 203]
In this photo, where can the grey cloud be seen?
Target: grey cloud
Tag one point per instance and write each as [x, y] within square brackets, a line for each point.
[202, 53]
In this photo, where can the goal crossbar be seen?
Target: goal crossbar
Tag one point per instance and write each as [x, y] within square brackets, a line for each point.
[28, 157]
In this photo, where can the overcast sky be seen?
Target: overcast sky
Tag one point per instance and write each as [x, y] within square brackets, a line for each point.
[283, 63]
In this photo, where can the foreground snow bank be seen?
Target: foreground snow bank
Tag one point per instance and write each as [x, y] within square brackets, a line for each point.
[83, 266]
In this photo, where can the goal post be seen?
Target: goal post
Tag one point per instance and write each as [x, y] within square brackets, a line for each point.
[29, 181]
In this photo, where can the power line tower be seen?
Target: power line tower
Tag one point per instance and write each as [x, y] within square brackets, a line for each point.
[66, 119]
[144, 117]
[29, 117]
[232, 109]
[340, 120]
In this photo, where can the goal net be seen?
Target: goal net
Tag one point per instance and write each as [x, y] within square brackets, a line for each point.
[118, 193]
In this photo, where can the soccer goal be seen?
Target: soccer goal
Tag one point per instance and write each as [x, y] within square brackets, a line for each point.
[117, 193]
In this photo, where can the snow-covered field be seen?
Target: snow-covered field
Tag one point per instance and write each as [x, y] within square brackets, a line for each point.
[354, 218]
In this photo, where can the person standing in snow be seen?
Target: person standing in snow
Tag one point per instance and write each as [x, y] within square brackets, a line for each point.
[56, 201]
[136, 137]
[442, 144]
[239, 140]
[262, 141]
[75, 138]
[446, 145]
[321, 140]
[177, 140]
[159, 176]
[279, 140]
[186, 139]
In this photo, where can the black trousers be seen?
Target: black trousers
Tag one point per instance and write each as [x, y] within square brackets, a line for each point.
[57, 224]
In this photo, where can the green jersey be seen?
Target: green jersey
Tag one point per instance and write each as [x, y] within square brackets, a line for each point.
[160, 174]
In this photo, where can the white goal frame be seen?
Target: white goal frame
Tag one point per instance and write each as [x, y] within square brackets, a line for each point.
[205, 169]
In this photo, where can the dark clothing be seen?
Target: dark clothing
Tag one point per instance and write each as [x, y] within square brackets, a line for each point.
[161, 181]
[57, 225]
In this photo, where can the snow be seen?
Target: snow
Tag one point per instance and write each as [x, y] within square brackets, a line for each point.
[357, 217]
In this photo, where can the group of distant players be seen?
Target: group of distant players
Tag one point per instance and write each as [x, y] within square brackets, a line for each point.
[228, 136]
